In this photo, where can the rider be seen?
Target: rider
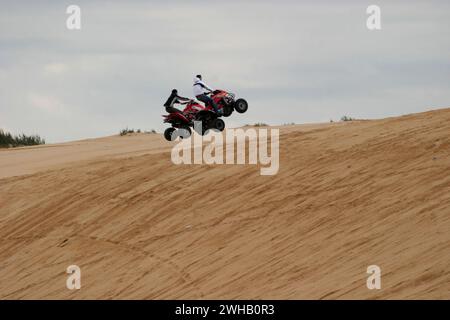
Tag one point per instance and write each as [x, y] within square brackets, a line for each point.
[175, 98]
[200, 90]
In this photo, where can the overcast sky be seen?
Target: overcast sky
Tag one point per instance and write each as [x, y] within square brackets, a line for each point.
[294, 61]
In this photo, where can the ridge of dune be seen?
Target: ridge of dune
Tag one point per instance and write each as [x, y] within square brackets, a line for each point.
[347, 195]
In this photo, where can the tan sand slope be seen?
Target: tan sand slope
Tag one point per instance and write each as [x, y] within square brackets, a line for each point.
[347, 196]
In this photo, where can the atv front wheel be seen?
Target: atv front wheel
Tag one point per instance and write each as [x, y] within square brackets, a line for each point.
[240, 105]
[184, 133]
[168, 133]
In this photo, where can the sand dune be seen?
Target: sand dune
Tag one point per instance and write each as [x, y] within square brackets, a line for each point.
[347, 195]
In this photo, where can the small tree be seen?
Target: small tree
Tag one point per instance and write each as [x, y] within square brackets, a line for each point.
[347, 118]
[7, 140]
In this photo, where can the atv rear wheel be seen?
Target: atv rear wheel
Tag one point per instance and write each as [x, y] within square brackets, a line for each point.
[168, 133]
[227, 110]
[218, 124]
[240, 105]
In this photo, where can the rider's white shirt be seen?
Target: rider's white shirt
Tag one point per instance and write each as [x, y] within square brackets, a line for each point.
[200, 87]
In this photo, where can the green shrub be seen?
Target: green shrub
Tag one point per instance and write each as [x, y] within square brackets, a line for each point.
[7, 140]
[260, 124]
[347, 118]
[126, 131]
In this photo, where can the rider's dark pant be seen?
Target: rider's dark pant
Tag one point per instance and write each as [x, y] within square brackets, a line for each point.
[207, 101]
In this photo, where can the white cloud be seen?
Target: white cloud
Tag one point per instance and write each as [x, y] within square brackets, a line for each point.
[55, 68]
[47, 103]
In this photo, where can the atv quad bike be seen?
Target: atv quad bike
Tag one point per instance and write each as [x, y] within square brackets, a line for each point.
[181, 123]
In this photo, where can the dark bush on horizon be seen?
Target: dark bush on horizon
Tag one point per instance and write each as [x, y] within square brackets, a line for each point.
[347, 118]
[7, 140]
[126, 131]
[257, 124]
